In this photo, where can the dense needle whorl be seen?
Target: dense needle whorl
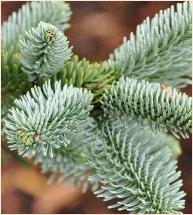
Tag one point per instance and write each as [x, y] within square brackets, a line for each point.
[135, 169]
[158, 105]
[161, 49]
[44, 119]
[48, 48]
[69, 164]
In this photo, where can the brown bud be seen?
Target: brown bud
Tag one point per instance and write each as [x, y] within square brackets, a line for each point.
[36, 138]
[164, 88]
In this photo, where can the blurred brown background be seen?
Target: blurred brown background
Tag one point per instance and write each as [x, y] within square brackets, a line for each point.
[96, 29]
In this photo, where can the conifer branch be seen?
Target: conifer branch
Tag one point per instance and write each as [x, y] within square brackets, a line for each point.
[160, 106]
[96, 77]
[48, 49]
[69, 164]
[161, 50]
[135, 169]
[14, 80]
[55, 13]
[43, 119]
[124, 160]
